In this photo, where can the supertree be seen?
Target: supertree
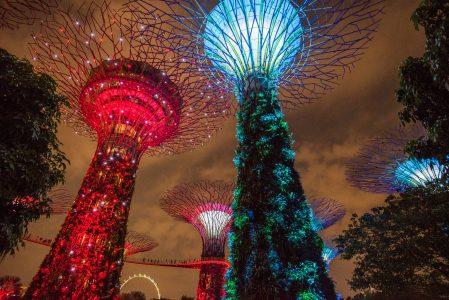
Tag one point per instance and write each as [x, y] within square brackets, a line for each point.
[207, 206]
[24, 12]
[381, 166]
[135, 242]
[262, 49]
[138, 242]
[325, 212]
[131, 98]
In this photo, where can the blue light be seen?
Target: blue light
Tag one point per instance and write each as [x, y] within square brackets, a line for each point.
[329, 254]
[418, 172]
[245, 37]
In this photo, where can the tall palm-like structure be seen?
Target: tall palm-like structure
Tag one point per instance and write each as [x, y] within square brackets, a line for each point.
[132, 99]
[207, 206]
[266, 51]
[382, 166]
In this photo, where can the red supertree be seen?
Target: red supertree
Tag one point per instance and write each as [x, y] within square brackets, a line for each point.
[207, 206]
[132, 98]
[24, 12]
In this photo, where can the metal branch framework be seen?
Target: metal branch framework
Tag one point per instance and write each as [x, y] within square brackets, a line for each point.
[305, 48]
[24, 12]
[138, 242]
[326, 212]
[133, 98]
[381, 166]
[62, 201]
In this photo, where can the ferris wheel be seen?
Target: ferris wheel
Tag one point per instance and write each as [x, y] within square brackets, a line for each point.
[143, 276]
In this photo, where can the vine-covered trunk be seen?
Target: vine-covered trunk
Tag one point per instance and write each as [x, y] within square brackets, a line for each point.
[211, 282]
[86, 259]
[274, 252]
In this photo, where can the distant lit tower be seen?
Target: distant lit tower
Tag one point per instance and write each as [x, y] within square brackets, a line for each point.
[131, 98]
[382, 166]
[262, 49]
[24, 12]
[207, 206]
[325, 212]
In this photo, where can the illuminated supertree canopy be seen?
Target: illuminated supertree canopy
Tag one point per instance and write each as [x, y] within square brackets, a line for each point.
[24, 12]
[326, 212]
[138, 242]
[131, 98]
[207, 206]
[382, 166]
[61, 201]
[268, 51]
[305, 48]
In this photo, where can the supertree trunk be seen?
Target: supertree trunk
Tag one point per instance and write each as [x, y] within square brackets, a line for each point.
[211, 282]
[274, 252]
[86, 259]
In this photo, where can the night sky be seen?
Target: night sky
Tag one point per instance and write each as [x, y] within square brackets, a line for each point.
[327, 134]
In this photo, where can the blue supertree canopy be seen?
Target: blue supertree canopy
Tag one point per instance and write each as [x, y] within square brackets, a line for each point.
[242, 38]
[304, 47]
[417, 172]
[381, 166]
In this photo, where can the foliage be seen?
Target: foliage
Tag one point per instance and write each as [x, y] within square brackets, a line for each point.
[401, 251]
[10, 288]
[424, 82]
[274, 251]
[135, 295]
[30, 159]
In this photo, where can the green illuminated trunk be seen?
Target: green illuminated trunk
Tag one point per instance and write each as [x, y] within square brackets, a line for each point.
[274, 252]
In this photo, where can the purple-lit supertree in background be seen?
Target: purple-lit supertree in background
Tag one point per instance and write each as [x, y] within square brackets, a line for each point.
[207, 206]
[25, 12]
[268, 51]
[132, 99]
[325, 212]
[382, 166]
